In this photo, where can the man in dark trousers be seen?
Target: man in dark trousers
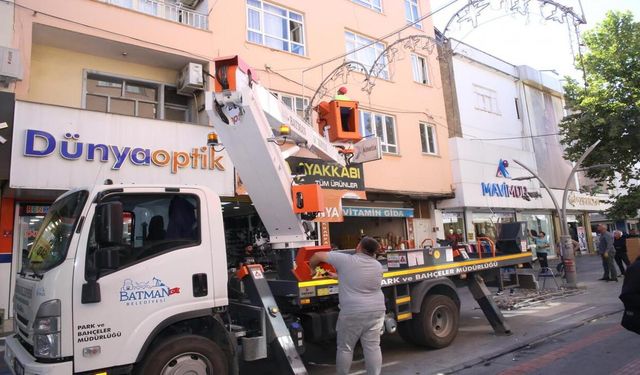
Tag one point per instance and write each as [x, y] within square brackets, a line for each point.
[607, 252]
[630, 297]
[620, 243]
[361, 304]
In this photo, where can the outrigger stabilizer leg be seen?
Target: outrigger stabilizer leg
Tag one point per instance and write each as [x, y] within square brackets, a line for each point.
[482, 295]
[259, 294]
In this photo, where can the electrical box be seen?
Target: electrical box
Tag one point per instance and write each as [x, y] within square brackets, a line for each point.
[190, 79]
[10, 65]
[307, 198]
[342, 119]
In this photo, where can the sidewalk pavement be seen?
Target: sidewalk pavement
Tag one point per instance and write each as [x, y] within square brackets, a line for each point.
[476, 341]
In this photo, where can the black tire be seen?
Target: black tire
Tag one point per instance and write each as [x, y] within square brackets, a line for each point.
[437, 323]
[195, 352]
[406, 331]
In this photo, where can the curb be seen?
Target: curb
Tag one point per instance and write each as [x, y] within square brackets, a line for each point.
[535, 340]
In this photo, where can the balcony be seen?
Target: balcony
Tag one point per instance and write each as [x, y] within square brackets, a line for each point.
[170, 11]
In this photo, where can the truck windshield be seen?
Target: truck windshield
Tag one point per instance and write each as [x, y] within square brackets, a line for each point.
[50, 247]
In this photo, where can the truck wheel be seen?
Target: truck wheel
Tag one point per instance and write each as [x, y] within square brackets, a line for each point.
[185, 354]
[437, 323]
[406, 332]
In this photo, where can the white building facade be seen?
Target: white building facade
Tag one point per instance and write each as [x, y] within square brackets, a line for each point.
[500, 113]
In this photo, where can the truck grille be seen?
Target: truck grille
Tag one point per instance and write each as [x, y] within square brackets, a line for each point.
[23, 320]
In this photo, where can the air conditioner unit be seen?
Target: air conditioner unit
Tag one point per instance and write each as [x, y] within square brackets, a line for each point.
[10, 65]
[190, 79]
[190, 3]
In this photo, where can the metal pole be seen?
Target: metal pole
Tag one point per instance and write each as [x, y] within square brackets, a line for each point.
[565, 237]
[553, 199]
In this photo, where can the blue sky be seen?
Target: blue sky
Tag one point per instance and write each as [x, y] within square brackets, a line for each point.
[528, 40]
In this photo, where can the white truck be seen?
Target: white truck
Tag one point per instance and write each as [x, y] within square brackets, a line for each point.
[134, 279]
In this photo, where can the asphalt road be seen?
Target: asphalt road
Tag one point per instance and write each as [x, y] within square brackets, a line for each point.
[599, 347]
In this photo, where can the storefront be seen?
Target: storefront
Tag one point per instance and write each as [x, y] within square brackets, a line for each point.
[55, 149]
[490, 193]
[389, 224]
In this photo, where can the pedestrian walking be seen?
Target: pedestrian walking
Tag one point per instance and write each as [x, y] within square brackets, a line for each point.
[620, 244]
[361, 301]
[607, 252]
[630, 297]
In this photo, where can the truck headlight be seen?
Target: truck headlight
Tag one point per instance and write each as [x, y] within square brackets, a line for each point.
[46, 346]
[46, 330]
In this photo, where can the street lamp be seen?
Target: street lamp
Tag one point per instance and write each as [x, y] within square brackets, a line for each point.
[565, 238]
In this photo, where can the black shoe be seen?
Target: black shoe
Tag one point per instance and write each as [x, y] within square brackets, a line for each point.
[604, 279]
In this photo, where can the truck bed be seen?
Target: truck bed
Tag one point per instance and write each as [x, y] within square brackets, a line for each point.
[404, 267]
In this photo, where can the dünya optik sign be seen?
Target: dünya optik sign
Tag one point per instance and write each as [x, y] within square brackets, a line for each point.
[39, 143]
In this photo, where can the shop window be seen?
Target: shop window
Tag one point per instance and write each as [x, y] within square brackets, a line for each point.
[275, 27]
[366, 51]
[428, 139]
[372, 4]
[129, 97]
[412, 13]
[453, 225]
[537, 223]
[485, 223]
[420, 69]
[153, 224]
[380, 125]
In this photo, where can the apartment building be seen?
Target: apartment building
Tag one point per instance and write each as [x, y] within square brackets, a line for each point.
[500, 113]
[103, 94]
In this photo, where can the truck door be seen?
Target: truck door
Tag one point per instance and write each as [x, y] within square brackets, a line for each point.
[159, 269]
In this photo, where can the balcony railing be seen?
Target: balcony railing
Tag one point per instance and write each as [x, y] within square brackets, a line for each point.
[172, 12]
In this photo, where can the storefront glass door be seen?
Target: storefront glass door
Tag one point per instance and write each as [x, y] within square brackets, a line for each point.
[540, 223]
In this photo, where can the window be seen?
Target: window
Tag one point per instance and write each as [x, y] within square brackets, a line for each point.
[275, 27]
[382, 126]
[365, 51]
[486, 99]
[420, 69]
[134, 98]
[428, 138]
[296, 103]
[412, 12]
[152, 224]
[373, 4]
[51, 244]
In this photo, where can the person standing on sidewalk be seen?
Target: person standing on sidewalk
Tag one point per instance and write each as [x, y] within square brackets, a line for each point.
[607, 252]
[542, 249]
[620, 243]
[362, 306]
[630, 297]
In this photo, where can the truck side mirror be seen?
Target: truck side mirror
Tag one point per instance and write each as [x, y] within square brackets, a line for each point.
[109, 225]
[90, 292]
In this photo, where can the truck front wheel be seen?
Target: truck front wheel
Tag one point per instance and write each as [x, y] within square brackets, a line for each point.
[185, 354]
[437, 323]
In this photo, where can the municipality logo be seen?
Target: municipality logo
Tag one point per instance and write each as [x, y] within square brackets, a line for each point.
[135, 293]
[502, 169]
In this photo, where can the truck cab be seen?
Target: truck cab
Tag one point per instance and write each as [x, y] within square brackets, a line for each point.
[111, 269]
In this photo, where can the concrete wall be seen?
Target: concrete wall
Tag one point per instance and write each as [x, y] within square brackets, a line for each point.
[57, 74]
[477, 123]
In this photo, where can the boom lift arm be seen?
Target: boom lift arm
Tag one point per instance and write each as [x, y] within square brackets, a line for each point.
[248, 119]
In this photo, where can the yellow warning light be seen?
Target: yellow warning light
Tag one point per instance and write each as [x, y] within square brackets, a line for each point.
[285, 130]
[212, 139]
